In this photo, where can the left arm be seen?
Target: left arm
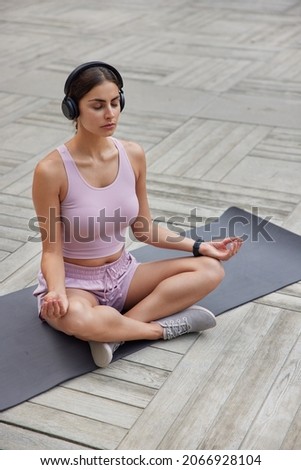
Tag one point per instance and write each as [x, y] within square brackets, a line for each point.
[145, 230]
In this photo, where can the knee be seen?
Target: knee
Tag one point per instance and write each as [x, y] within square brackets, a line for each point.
[84, 320]
[214, 270]
[77, 318]
[77, 308]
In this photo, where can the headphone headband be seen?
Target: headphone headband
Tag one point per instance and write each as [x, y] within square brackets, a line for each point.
[87, 65]
[69, 106]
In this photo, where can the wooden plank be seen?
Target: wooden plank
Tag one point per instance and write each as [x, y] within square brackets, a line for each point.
[229, 159]
[61, 426]
[13, 106]
[271, 7]
[155, 357]
[16, 202]
[257, 172]
[293, 221]
[3, 254]
[15, 438]
[245, 401]
[293, 289]
[13, 233]
[113, 388]
[200, 189]
[136, 373]
[198, 49]
[217, 384]
[209, 150]
[89, 406]
[282, 300]
[21, 215]
[155, 154]
[250, 108]
[26, 275]
[211, 73]
[182, 147]
[17, 259]
[185, 379]
[292, 439]
[209, 202]
[15, 220]
[272, 423]
[178, 345]
[9, 245]
[36, 142]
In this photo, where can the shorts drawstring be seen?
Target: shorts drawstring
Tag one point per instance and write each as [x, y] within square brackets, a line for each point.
[105, 287]
[110, 285]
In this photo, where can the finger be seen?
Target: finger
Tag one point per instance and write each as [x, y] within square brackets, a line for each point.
[46, 310]
[227, 240]
[231, 248]
[43, 312]
[225, 256]
[62, 309]
[239, 242]
[236, 240]
[231, 245]
[234, 247]
[50, 309]
[56, 309]
[231, 251]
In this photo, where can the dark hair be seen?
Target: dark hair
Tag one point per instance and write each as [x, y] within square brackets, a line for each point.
[88, 79]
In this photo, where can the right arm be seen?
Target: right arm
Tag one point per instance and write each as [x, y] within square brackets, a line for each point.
[46, 198]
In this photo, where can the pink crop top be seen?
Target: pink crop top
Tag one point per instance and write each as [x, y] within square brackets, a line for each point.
[95, 220]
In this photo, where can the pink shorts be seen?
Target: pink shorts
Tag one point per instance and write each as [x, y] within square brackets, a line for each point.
[109, 283]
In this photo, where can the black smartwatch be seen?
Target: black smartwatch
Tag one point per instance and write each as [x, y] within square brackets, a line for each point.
[196, 246]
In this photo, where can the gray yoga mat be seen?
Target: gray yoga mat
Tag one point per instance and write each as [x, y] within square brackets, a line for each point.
[35, 358]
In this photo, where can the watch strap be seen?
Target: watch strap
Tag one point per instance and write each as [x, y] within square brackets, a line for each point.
[196, 247]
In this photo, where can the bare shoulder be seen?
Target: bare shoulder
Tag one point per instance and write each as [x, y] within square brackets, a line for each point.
[133, 149]
[136, 155]
[49, 179]
[50, 167]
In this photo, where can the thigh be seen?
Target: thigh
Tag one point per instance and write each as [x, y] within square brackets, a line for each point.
[80, 304]
[149, 275]
[81, 295]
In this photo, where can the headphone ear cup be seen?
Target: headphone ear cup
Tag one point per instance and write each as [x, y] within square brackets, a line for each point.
[122, 100]
[69, 108]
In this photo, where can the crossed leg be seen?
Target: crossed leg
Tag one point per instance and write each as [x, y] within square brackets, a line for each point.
[157, 289]
[165, 287]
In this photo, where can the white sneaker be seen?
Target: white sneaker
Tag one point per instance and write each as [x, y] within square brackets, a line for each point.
[191, 320]
[102, 353]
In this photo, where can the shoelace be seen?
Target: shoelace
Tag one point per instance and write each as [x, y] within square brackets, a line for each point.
[172, 329]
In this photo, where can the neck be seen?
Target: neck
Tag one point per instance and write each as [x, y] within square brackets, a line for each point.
[90, 144]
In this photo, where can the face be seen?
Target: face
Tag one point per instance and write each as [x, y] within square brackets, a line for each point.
[99, 109]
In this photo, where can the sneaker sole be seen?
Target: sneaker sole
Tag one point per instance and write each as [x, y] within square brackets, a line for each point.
[101, 353]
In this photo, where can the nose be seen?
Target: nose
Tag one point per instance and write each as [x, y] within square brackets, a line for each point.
[109, 112]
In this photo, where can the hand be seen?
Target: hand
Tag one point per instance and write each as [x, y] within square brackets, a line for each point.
[54, 306]
[222, 249]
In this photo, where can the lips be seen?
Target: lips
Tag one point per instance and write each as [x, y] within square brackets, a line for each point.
[109, 126]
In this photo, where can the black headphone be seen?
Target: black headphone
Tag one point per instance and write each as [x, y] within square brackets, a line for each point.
[69, 106]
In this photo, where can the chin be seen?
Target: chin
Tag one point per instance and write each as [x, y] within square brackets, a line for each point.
[108, 132]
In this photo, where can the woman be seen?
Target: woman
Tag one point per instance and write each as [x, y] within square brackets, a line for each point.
[86, 194]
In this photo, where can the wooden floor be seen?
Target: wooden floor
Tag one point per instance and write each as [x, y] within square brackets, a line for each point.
[213, 93]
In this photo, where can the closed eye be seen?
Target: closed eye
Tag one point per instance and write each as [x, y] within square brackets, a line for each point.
[100, 104]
